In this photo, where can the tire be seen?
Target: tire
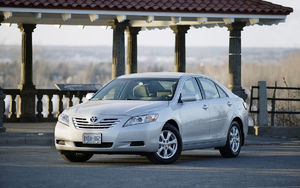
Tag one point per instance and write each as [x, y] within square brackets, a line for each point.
[72, 156]
[170, 146]
[233, 143]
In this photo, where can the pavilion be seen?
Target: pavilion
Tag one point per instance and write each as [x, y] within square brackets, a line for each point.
[131, 16]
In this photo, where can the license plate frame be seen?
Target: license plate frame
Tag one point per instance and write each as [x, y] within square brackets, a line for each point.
[91, 138]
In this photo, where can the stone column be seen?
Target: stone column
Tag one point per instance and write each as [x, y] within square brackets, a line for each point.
[180, 31]
[235, 59]
[118, 62]
[131, 60]
[26, 102]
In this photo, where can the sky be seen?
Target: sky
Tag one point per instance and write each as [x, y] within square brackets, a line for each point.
[281, 35]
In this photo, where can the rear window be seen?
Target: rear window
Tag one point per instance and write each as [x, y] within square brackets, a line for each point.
[209, 88]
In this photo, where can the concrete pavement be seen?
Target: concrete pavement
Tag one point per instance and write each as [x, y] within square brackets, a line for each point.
[257, 166]
[28, 134]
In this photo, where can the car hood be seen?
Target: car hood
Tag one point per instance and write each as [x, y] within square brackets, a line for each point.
[116, 107]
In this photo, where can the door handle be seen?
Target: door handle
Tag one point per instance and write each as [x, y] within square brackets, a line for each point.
[229, 103]
[205, 107]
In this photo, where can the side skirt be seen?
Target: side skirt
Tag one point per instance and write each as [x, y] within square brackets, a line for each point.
[204, 144]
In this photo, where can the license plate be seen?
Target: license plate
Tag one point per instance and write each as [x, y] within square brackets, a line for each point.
[92, 138]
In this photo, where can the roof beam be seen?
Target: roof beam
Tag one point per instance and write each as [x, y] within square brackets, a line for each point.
[175, 20]
[66, 16]
[202, 20]
[121, 18]
[253, 21]
[228, 20]
[150, 19]
[38, 15]
[94, 17]
[7, 14]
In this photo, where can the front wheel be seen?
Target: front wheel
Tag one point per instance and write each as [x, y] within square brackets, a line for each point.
[170, 146]
[72, 156]
[233, 144]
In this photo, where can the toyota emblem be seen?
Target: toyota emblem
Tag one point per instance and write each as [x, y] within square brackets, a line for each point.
[93, 119]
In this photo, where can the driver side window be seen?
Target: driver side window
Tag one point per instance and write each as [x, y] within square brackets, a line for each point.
[191, 87]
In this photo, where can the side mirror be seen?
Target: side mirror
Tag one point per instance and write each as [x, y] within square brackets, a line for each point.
[89, 96]
[188, 97]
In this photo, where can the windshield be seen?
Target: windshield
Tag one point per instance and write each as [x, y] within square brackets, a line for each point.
[147, 89]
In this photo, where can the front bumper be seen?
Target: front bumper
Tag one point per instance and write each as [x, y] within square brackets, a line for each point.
[116, 139]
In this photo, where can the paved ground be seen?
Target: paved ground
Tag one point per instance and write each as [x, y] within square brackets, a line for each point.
[258, 166]
[40, 127]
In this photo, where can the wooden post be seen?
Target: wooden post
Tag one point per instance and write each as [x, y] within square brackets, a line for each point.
[273, 106]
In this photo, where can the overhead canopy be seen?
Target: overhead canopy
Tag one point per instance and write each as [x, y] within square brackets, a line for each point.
[143, 13]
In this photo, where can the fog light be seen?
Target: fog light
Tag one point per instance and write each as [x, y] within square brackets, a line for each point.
[60, 142]
[137, 143]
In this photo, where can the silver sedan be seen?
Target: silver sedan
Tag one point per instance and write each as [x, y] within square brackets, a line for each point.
[154, 114]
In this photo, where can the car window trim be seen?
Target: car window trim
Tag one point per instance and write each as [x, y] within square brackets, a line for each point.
[200, 88]
[214, 85]
[197, 85]
[218, 87]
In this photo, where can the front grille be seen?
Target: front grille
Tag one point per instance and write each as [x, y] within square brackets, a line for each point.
[105, 123]
[103, 145]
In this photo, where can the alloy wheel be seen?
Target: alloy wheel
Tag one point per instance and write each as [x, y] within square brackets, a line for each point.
[234, 139]
[167, 144]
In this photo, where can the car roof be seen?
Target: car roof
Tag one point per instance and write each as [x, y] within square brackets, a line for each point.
[160, 75]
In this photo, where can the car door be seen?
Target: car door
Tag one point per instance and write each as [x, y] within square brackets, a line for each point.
[193, 115]
[217, 107]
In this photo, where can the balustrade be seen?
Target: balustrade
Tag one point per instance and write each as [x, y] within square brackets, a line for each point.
[53, 96]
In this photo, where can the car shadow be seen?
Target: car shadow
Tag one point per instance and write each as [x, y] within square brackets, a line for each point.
[136, 160]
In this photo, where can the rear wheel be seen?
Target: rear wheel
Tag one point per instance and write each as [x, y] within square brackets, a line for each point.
[170, 146]
[233, 144]
[72, 156]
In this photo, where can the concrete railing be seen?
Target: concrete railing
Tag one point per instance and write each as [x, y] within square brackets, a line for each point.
[49, 103]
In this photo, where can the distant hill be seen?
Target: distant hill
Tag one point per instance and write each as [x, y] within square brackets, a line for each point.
[157, 55]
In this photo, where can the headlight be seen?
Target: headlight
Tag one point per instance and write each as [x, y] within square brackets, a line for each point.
[141, 119]
[63, 118]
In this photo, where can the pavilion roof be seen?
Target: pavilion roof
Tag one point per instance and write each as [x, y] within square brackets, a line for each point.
[143, 13]
[197, 6]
